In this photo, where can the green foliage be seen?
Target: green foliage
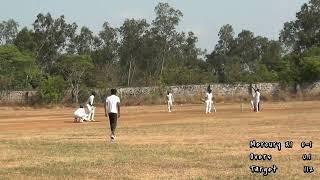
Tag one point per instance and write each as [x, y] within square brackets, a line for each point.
[25, 40]
[312, 68]
[311, 65]
[8, 31]
[15, 68]
[52, 36]
[290, 70]
[264, 75]
[299, 68]
[304, 32]
[245, 58]
[233, 73]
[156, 53]
[183, 75]
[74, 69]
[51, 90]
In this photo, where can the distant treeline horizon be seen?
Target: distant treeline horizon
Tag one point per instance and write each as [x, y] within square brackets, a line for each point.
[55, 55]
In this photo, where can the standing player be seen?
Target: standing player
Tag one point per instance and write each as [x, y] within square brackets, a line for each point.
[112, 109]
[90, 106]
[170, 101]
[208, 101]
[252, 101]
[80, 115]
[256, 100]
[213, 102]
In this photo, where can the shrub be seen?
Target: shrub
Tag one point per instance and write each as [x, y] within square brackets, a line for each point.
[51, 90]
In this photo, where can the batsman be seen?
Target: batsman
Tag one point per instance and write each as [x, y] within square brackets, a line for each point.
[90, 106]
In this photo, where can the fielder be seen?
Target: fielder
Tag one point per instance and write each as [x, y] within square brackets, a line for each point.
[112, 110]
[90, 107]
[209, 101]
[256, 100]
[80, 115]
[170, 101]
[252, 101]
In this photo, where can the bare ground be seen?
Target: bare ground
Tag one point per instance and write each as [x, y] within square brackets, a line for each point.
[154, 144]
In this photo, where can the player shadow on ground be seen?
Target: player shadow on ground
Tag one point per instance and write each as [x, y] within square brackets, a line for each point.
[71, 122]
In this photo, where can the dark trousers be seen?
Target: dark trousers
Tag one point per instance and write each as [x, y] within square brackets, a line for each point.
[113, 117]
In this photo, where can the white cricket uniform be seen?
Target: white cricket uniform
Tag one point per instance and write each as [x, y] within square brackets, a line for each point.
[208, 102]
[90, 103]
[252, 101]
[90, 107]
[111, 103]
[170, 101]
[80, 113]
[256, 100]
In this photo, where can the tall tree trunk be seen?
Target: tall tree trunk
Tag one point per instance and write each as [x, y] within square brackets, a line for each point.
[162, 65]
[77, 93]
[132, 73]
[163, 59]
[72, 93]
[129, 72]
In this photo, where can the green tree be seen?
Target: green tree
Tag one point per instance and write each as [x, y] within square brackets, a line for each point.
[52, 36]
[105, 57]
[246, 54]
[164, 30]
[25, 40]
[263, 74]
[304, 32]
[311, 65]
[132, 32]
[74, 69]
[15, 68]
[312, 68]
[51, 90]
[8, 31]
[226, 40]
[83, 43]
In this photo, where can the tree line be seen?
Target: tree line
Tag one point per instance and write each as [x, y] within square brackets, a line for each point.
[54, 55]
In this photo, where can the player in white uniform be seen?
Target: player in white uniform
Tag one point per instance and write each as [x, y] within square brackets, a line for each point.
[257, 100]
[170, 101]
[90, 106]
[252, 101]
[209, 101]
[80, 115]
[112, 110]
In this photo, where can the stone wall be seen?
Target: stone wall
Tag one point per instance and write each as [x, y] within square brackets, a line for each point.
[187, 92]
[311, 89]
[194, 93]
[16, 97]
[223, 90]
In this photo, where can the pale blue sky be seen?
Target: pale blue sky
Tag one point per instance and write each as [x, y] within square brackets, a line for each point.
[204, 17]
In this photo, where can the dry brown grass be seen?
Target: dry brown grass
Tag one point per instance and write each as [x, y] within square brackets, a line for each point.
[153, 144]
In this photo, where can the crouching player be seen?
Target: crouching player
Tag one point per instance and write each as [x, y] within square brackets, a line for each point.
[80, 115]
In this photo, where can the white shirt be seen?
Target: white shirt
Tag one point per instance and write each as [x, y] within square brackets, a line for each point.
[111, 103]
[90, 100]
[170, 97]
[208, 97]
[257, 96]
[81, 112]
